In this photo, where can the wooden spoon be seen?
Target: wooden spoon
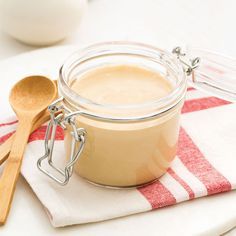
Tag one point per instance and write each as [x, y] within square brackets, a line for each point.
[29, 98]
[5, 148]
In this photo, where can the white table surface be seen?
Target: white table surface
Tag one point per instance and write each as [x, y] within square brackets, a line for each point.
[164, 23]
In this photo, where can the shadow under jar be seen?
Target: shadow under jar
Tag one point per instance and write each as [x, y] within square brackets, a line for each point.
[121, 105]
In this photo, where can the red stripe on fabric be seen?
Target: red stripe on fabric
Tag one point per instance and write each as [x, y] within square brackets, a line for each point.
[190, 89]
[202, 104]
[9, 123]
[157, 195]
[197, 164]
[39, 134]
[182, 182]
[6, 136]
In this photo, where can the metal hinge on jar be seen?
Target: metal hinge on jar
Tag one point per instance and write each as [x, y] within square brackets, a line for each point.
[188, 64]
[78, 137]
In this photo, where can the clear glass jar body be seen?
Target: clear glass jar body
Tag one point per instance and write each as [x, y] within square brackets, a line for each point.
[129, 145]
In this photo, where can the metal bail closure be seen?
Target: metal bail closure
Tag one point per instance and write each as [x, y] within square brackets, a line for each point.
[188, 64]
[77, 145]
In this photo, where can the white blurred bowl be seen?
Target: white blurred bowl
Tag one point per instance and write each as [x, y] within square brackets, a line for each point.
[41, 22]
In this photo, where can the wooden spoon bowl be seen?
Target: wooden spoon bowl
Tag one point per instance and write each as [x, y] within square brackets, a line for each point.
[31, 94]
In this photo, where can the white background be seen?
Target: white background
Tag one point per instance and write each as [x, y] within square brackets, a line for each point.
[165, 23]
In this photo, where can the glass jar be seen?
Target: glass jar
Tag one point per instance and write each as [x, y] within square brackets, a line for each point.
[119, 145]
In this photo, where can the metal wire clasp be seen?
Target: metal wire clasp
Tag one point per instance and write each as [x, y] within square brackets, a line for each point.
[188, 64]
[78, 137]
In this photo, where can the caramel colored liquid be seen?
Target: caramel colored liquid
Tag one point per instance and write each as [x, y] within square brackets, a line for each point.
[125, 154]
[122, 85]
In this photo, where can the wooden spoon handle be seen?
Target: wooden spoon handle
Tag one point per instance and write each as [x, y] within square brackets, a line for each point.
[12, 169]
[5, 148]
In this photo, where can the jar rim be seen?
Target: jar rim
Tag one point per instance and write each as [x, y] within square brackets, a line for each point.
[163, 104]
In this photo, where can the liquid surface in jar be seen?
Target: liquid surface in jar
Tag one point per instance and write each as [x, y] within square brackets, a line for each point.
[121, 85]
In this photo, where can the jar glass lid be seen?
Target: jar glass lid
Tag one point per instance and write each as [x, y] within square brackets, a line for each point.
[214, 73]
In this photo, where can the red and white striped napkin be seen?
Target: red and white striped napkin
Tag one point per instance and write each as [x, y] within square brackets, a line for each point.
[204, 165]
